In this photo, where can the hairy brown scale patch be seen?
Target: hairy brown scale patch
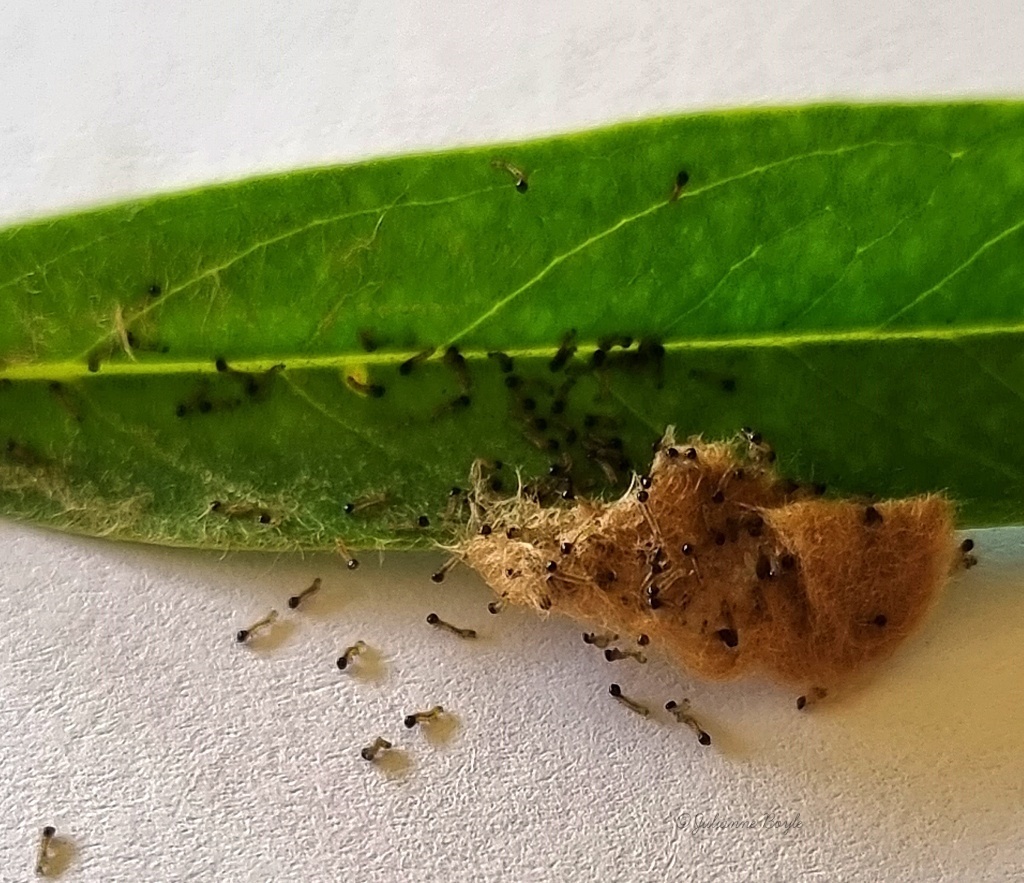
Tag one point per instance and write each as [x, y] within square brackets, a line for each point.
[726, 568]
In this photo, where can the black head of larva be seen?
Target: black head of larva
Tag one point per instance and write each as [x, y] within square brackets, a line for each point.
[433, 618]
[154, 290]
[615, 690]
[505, 363]
[967, 545]
[453, 358]
[368, 340]
[729, 637]
[423, 521]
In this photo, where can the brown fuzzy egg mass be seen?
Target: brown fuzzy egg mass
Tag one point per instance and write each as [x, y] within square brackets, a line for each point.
[723, 565]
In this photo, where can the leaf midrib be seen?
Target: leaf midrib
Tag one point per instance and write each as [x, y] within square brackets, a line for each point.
[72, 370]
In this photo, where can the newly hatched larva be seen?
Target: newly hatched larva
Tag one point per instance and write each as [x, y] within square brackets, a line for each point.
[243, 635]
[681, 711]
[438, 575]
[682, 179]
[436, 621]
[601, 640]
[371, 390]
[454, 360]
[566, 351]
[615, 691]
[420, 716]
[378, 745]
[351, 562]
[43, 854]
[815, 695]
[613, 654]
[517, 174]
[243, 510]
[364, 503]
[345, 660]
[409, 364]
[295, 600]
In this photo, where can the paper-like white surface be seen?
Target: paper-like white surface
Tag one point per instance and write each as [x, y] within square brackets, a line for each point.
[162, 751]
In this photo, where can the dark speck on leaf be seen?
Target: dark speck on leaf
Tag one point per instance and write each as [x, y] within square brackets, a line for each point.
[367, 340]
[504, 361]
[373, 390]
[565, 352]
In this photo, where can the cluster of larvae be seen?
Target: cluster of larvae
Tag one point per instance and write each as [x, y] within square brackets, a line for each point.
[724, 566]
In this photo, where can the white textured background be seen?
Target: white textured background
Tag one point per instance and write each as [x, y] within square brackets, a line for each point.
[163, 751]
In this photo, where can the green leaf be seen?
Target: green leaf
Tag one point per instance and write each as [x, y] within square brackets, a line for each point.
[846, 279]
